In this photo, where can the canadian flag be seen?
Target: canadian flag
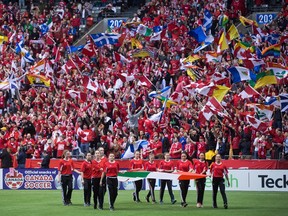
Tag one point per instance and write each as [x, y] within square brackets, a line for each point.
[90, 84]
[176, 96]
[84, 135]
[70, 64]
[257, 124]
[206, 90]
[252, 63]
[76, 95]
[248, 92]
[125, 78]
[89, 49]
[119, 57]
[191, 88]
[143, 81]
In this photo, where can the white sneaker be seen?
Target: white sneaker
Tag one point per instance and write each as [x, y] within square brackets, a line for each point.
[198, 205]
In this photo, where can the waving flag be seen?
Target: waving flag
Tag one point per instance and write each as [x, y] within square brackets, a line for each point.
[73, 49]
[232, 33]
[144, 30]
[263, 112]
[223, 44]
[248, 92]
[279, 70]
[252, 63]
[273, 50]
[275, 101]
[241, 74]
[208, 40]
[265, 78]
[220, 92]
[38, 80]
[90, 84]
[198, 34]
[223, 20]
[129, 153]
[207, 23]
[213, 56]
[165, 92]
[143, 81]
[257, 124]
[284, 102]
[105, 39]
[247, 22]
[45, 27]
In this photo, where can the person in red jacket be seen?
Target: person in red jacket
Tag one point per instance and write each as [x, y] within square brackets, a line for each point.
[66, 167]
[184, 165]
[175, 149]
[97, 170]
[167, 166]
[201, 167]
[137, 164]
[111, 169]
[156, 146]
[151, 166]
[86, 174]
[218, 170]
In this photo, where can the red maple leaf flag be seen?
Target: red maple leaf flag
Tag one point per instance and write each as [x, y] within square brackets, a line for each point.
[90, 84]
[76, 95]
[257, 124]
[143, 81]
[248, 92]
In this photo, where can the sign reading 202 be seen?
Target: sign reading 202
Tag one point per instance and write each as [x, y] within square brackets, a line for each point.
[115, 23]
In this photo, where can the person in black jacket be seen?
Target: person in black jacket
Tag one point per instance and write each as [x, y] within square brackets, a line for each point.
[46, 160]
[165, 142]
[28, 127]
[6, 158]
[21, 158]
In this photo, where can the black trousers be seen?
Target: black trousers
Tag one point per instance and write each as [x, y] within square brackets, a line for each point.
[152, 183]
[163, 184]
[87, 191]
[67, 188]
[138, 187]
[200, 186]
[218, 182]
[98, 192]
[184, 185]
[112, 184]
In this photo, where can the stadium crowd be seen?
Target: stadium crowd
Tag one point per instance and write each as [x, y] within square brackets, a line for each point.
[64, 99]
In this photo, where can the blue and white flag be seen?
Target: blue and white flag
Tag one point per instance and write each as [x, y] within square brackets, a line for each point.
[209, 40]
[104, 39]
[165, 92]
[272, 101]
[129, 153]
[73, 49]
[157, 29]
[207, 23]
[45, 27]
[284, 102]
[241, 74]
[198, 33]
[19, 47]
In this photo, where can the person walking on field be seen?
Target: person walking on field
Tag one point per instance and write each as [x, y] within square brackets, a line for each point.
[218, 170]
[86, 174]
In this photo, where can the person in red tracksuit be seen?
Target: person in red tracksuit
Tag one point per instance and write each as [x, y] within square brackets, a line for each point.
[201, 167]
[137, 164]
[111, 170]
[151, 166]
[86, 174]
[66, 167]
[97, 170]
[218, 170]
[184, 165]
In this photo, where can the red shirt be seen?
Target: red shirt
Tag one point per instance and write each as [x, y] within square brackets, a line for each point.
[158, 146]
[184, 166]
[166, 165]
[97, 168]
[200, 166]
[111, 169]
[174, 147]
[150, 166]
[218, 170]
[136, 164]
[66, 166]
[86, 168]
[201, 148]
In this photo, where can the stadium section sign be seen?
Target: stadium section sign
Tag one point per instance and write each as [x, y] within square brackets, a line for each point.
[265, 18]
[115, 23]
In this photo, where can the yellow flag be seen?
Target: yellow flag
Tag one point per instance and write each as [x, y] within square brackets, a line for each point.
[192, 58]
[232, 33]
[36, 79]
[223, 45]
[136, 43]
[246, 22]
[220, 92]
[191, 74]
[3, 38]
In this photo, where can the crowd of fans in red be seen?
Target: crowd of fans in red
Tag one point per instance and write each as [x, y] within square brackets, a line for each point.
[42, 118]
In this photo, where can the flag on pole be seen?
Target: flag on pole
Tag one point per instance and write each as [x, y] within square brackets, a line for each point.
[45, 27]
[248, 92]
[223, 44]
[102, 39]
[265, 78]
[232, 33]
[198, 34]
[283, 102]
[241, 74]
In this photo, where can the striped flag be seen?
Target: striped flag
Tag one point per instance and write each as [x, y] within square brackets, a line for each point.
[284, 102]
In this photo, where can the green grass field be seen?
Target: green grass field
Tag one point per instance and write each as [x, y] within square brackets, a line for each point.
[42, 203]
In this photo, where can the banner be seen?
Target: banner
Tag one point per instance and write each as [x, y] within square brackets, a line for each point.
[240, 180]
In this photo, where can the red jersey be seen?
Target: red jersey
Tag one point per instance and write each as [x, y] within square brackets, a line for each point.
[166, 165]
[86, 169]
[190, 149]
[184, 166]
[136, 164]
[97, 168]
[158, 146]
[111, 169]
[66, 166]
[104, 159]
[175, 147]
[150, 166]
[200, 166]
[201, 148]
[218, 170]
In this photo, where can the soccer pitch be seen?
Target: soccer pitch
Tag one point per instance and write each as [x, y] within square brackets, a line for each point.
[42, 203]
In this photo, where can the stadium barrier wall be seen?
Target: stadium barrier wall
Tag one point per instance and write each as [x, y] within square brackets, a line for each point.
[240, 180]
[231, 164]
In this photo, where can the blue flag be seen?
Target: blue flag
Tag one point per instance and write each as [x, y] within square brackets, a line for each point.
[104, 39]
[207, 23]
[198, 34]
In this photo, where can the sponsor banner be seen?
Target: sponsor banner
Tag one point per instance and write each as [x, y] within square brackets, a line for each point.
[245, 180]
[240, 180]
[35, 179]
